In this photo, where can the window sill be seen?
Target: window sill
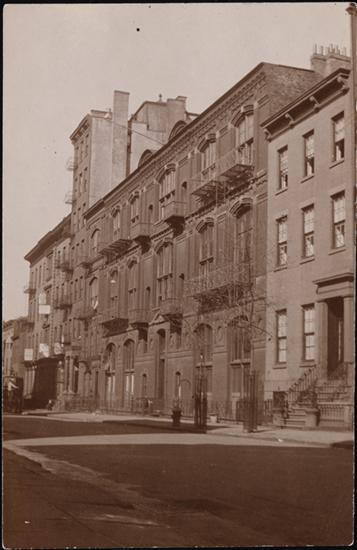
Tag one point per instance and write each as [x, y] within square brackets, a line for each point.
[280, 267]
[279, 366]
[337, 250]
[336, 163]
[306, 178]
[279, 191]
[307, 363]
[306, 260]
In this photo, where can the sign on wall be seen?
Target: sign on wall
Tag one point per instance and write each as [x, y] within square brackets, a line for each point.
[44, 309]
[28, 354]
[44, 350]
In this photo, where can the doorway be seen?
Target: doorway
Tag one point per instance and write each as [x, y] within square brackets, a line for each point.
[335, 352]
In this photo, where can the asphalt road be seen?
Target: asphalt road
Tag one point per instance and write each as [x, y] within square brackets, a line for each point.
[170, 495]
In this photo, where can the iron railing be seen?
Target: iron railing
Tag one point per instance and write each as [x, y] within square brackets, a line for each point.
[303, 388]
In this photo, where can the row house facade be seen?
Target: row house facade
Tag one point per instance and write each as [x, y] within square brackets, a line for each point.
[311, 246]
[48, 325]
[174, 271]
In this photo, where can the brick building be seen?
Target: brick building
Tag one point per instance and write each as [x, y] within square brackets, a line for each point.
[311, 251]
[163, 248]
[47, 333]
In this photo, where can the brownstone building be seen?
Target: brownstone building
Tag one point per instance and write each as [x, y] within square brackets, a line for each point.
[311, 248]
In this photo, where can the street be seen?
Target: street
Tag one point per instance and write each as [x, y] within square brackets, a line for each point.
[88, 484]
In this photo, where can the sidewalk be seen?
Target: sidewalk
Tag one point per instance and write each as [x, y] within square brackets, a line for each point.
[325, 438]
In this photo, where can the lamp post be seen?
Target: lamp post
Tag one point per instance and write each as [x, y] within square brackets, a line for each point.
[201, 397]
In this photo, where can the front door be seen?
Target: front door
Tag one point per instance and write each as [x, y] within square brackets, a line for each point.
[335, 337]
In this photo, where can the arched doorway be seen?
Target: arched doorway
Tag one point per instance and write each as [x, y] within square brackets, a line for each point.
[129, 374]
[109, 365]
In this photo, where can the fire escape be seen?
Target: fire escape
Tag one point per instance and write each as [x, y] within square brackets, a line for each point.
[114, 243]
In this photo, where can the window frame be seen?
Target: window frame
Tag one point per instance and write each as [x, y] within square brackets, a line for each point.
[335, 142]
[309, 159]
[281, 242]
[283, 171]
[280, 338]
[308, 235]
[308, 333]
[340, 223]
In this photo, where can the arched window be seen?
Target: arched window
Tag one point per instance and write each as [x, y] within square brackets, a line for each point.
[206, 249]
[245, 137]
[93, 293]
[180, 125]
[167, 183]
[164, 272]
[94, 242]
[145, 157]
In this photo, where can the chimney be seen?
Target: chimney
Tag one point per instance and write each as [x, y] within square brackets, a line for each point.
[325, 61]
[119, 136]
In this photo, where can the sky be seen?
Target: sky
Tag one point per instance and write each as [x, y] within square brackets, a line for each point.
[61, 60]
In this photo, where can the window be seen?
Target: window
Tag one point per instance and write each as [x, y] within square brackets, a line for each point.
[95, 242]
[308, 221]
[116, 221]
[282, 241]
[134, 209]
[243, 227]
[239, 339]
[283, 168]
[166, 191]
[245, 133]
[93, 293]
[339, 217]
[113, 290]
[281, 336]
[309, 332]
[338, 137]
[132, 286]
[164, 272]
[309, 154]
[206, 249]
[208, 155]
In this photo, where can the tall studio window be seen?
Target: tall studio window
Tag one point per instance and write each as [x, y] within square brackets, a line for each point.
[164, 273]
[339, 220]
[309, 154]
[206, 249]
[166, 190]
[245, 139]
[282, 241]
[338, 137]
[281, 335]
[283, 168]
[308, 223]
[309, 332]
